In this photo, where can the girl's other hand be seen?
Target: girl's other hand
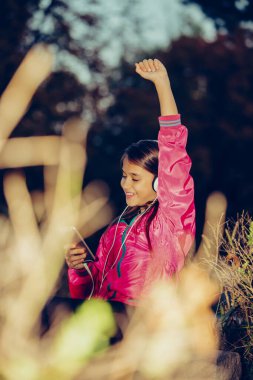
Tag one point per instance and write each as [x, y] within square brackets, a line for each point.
[151, 69]
[75, 257]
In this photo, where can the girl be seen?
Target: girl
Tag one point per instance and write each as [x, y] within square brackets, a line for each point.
[152, 236]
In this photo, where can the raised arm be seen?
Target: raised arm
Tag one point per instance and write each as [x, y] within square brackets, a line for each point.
[175, 184]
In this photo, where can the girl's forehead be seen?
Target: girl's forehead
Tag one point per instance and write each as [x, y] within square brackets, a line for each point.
[129, 166]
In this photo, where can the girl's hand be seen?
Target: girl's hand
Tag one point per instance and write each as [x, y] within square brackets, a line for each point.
[152, 69]
[75, 257]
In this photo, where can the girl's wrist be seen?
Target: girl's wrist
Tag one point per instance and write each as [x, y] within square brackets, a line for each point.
[162, 82]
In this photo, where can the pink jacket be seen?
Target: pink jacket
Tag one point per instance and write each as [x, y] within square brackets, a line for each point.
[130, 269]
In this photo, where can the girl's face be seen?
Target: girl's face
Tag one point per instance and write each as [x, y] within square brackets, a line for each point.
[136, 183]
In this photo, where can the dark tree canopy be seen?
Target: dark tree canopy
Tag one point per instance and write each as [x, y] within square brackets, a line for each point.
[226, 13]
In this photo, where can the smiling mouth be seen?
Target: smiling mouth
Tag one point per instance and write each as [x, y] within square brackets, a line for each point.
[130, 195]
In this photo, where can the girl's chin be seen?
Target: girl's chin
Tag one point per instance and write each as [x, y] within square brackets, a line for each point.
[134, 202]
[131, 202]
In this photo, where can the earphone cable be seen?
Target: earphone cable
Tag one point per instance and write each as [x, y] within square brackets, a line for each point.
[92, 280]
[114, 238]
[105, 275]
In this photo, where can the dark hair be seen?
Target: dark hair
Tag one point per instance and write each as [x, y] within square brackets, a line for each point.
[143, 153]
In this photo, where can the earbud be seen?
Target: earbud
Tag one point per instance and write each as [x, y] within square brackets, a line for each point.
[155, 184]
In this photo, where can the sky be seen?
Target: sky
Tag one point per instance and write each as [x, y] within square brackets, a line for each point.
[147, 24]
[125, 27]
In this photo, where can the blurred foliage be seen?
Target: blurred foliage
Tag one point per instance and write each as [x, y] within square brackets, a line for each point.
[227, 14]
[211, 82]
[38, 229]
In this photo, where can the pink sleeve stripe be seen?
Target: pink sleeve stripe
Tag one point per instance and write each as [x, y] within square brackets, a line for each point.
[170, 120]
[173, 123]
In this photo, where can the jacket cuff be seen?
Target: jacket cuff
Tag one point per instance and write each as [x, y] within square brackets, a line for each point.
[78, 272]
[170, 120]
[81, 272]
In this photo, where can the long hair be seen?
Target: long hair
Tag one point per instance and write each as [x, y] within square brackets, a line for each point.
[143, 153]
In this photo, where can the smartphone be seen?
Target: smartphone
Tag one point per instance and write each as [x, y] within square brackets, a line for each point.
[90, 255]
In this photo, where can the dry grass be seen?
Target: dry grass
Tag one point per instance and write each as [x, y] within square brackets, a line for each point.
[233, 268]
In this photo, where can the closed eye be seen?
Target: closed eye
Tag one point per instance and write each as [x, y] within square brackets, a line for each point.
[135, 180]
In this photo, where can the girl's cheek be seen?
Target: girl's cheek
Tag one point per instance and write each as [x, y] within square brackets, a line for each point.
[137, 186]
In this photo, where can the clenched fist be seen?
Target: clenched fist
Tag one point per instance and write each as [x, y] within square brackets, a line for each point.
[75, 256]
[152, 69]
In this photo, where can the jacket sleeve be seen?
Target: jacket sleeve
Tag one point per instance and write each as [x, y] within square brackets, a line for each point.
[175, 184]
[80, 281]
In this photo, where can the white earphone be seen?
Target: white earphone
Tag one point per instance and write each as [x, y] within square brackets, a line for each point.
[155, 184]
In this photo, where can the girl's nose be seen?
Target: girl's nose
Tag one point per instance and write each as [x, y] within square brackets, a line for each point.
[127, 184]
